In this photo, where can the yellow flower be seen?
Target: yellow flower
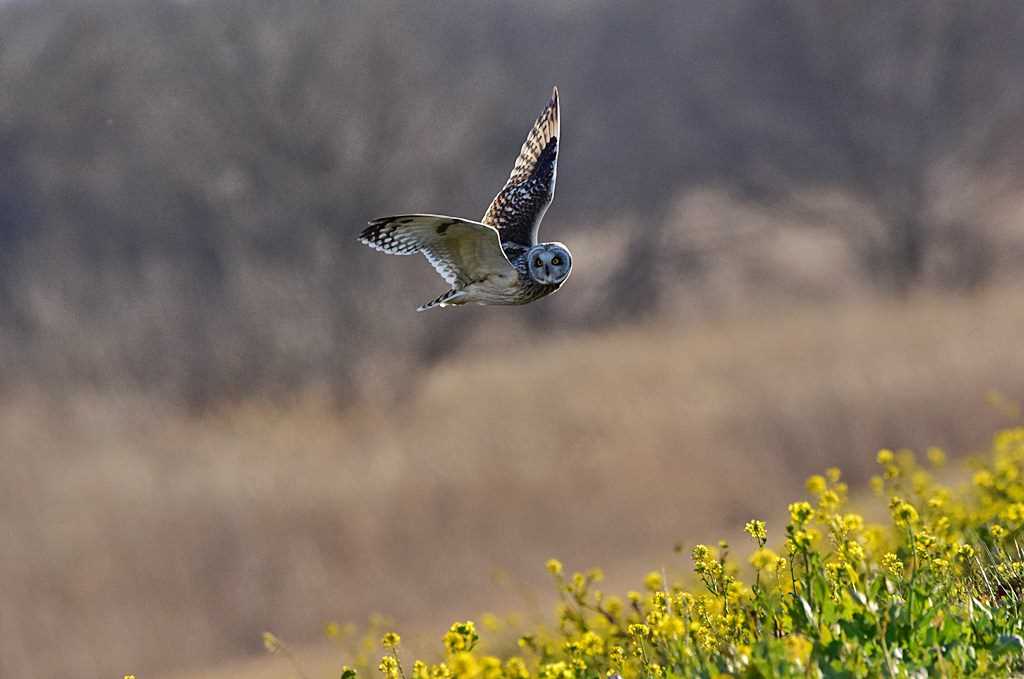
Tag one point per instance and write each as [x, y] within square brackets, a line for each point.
[816, 485]
[801, 539]
[391, 640]
[515, 668]
[892, 565]
[903, 513]
[763, 558]
[997, 531]
[490, 667]
[757, 530]
[440, 671]
[924, 543]
[653, 581]
[463, 664]
[798, 648]
[800, 512]
[554, 567]
[983, 479]
[557, 670]
[419, 670]
[936, 456]
[639, 630]
[854, 523]
[670, 627]
[828, 501]
[461, 636]
[388, 666]
[591, 644]
[704, 562]
[885, 456]
[1013, 513]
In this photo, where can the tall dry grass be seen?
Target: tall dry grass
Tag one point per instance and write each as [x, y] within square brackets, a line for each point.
[141, 539]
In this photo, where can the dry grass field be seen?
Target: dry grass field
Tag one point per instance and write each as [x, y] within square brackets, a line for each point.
[146, 540]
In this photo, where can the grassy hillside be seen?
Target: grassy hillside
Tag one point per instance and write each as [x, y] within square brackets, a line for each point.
[173, 540]
[935, 590]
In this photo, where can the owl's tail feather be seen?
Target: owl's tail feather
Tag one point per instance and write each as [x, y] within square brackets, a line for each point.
[442, 300]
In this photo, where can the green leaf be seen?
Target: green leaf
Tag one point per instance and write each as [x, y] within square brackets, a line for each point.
[952, 630]
[876, 587]
[819, 588]
[1008, 643]
[808, 612]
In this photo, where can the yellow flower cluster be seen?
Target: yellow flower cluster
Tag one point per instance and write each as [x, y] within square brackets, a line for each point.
[461, 636]
[757, 530]
[936, 590]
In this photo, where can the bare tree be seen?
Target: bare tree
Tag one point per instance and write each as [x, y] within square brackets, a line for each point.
[873, 99]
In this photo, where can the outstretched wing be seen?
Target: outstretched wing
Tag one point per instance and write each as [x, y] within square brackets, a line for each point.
[518, 208]
[462, 251]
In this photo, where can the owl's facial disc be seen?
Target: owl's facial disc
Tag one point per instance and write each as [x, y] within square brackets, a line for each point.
[550, 263]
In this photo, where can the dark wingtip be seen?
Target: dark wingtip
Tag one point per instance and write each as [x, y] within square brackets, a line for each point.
[370, 226]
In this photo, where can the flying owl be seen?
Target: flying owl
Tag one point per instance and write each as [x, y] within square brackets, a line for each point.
[498, 259]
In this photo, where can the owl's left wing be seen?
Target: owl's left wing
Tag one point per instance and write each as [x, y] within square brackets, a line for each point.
[518, 208]
[461, 251]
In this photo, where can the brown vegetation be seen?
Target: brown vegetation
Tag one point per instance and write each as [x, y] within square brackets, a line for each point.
[144, 539]
[182, 181]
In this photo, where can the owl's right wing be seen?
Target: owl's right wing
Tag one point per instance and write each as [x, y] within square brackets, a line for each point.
[518, 208]
[461, 251]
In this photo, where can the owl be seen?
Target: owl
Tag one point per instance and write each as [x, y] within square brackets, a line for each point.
[498, 259]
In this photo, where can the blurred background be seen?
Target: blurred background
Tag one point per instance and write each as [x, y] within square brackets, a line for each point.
[798, 233]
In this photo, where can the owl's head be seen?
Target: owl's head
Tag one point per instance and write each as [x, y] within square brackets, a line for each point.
[549, 263]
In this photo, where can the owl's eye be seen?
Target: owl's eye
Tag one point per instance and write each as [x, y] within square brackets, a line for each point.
[556, 260]
[538, 263]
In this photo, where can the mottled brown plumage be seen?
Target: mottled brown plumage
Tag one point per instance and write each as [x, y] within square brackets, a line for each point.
[497, 260]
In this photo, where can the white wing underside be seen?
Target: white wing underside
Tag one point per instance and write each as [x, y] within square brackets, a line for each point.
[463, 252]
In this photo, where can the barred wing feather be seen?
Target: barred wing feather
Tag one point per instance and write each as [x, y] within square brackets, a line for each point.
[518, 208]
[460, 250]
